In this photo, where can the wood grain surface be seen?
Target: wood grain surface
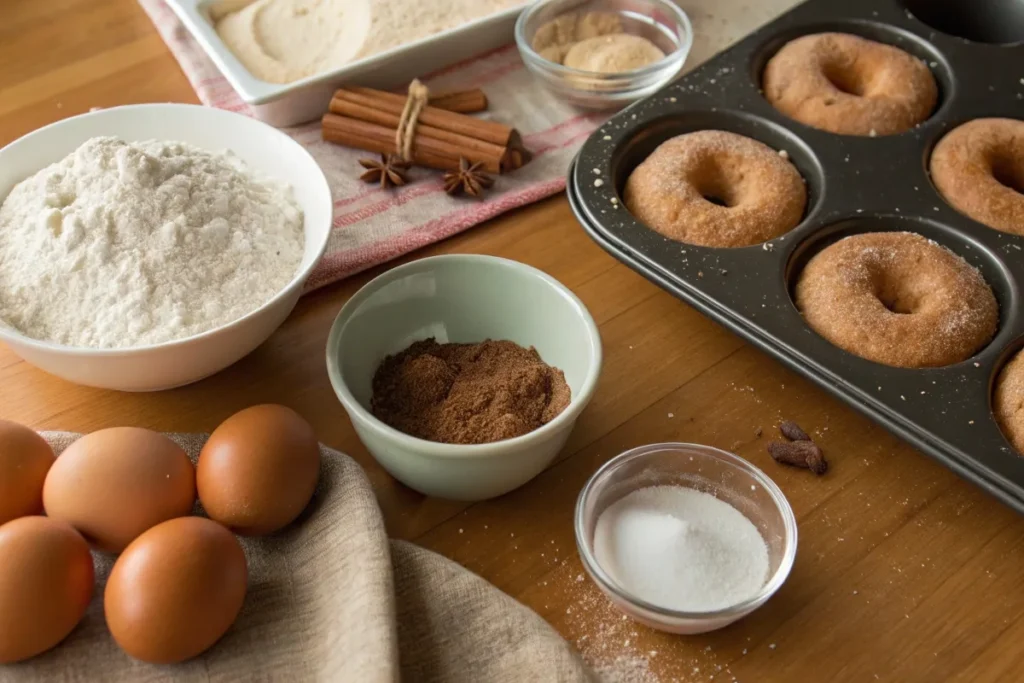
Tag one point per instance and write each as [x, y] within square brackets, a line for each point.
[904, 572]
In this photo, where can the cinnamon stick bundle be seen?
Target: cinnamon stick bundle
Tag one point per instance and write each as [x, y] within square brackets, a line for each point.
[368, 119]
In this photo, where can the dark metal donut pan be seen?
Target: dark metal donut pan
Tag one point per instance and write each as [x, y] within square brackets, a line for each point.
[856, 184]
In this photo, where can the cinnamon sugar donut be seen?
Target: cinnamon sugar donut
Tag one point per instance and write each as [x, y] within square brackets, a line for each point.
[1008, 401]
[979, 169]
[899, 299]
[716, 189]
[849, 85]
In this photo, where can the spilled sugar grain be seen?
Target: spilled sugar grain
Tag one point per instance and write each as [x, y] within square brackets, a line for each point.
[625, 669]
[620, 650]
[610, 641]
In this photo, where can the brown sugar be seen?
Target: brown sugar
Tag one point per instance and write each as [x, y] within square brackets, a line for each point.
[467, 393]
[554, 38]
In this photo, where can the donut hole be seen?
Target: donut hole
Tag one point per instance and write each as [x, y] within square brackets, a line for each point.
[845, 80]
[717, 201]
[897, 295]
[717, 194]
[894, 303]
[1008, 172]
[716, 186]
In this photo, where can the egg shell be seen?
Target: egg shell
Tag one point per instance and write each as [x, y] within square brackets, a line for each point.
[46, 582]
[258, 470]
[25, 458]
[114, 484]
[175, 590]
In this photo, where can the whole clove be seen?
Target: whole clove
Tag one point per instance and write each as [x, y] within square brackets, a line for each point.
[799, 451]
[804, 454]
[792, 431]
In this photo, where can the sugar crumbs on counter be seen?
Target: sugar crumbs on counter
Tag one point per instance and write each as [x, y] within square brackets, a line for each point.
[620, 650]
[468, 393]
[625, 669]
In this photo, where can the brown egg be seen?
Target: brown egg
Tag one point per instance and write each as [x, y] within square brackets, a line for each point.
[258, 470]
[25, 458]
[175, 590]
[114, 484]
[46, 579]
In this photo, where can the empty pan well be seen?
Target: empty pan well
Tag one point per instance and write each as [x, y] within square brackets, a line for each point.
[983, 21]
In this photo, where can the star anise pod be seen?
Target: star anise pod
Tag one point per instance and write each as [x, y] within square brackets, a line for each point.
[470, 179]
[390, 171]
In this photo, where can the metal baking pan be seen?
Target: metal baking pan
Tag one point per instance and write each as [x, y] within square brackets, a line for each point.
[287, 104]
[856, 184]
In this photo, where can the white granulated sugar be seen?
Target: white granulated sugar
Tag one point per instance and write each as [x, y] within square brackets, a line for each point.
[681, 549]
[128, 244]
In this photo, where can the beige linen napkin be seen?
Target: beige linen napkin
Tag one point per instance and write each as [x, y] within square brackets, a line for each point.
[330, 599]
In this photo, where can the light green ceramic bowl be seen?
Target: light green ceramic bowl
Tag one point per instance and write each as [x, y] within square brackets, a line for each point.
[462, 298]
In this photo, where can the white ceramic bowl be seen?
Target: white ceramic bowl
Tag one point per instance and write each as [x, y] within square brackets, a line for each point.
[265, 149]
[462, 298]
[726, 476]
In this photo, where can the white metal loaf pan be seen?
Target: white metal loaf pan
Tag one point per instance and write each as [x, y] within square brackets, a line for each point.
[287, 104]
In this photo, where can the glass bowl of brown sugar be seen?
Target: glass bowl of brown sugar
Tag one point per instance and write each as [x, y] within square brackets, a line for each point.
[604, 54]
[464, 374]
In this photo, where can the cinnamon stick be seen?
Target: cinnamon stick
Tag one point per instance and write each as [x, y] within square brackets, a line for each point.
[488, 131]
[372, 137]
[461, 101]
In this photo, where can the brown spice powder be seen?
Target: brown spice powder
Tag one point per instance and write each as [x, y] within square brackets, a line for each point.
[467, 393]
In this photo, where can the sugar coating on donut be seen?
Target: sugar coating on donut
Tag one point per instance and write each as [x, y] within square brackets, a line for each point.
[849, 85]
[978, 168]
[1008, 401]
[716, 189]
[897, 298]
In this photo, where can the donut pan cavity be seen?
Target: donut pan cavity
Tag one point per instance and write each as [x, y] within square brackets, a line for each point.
[856, 184]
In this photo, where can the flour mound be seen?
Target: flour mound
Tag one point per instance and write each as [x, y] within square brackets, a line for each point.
[129, 244]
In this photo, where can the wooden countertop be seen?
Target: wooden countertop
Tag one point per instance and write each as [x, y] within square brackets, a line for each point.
[904, 572]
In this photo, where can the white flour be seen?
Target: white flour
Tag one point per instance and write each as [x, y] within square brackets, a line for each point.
[129, 244]
[682, 549]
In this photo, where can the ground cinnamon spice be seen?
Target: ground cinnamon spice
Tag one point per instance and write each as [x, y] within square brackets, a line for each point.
[467, 393]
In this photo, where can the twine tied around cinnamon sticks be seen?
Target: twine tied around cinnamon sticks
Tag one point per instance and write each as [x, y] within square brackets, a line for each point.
[421, 132]
[418, 96]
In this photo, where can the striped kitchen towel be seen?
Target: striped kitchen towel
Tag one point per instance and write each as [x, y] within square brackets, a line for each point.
[372, 225]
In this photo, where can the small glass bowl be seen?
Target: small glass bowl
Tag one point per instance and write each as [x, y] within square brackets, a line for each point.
[660, 21]
[723, 475]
